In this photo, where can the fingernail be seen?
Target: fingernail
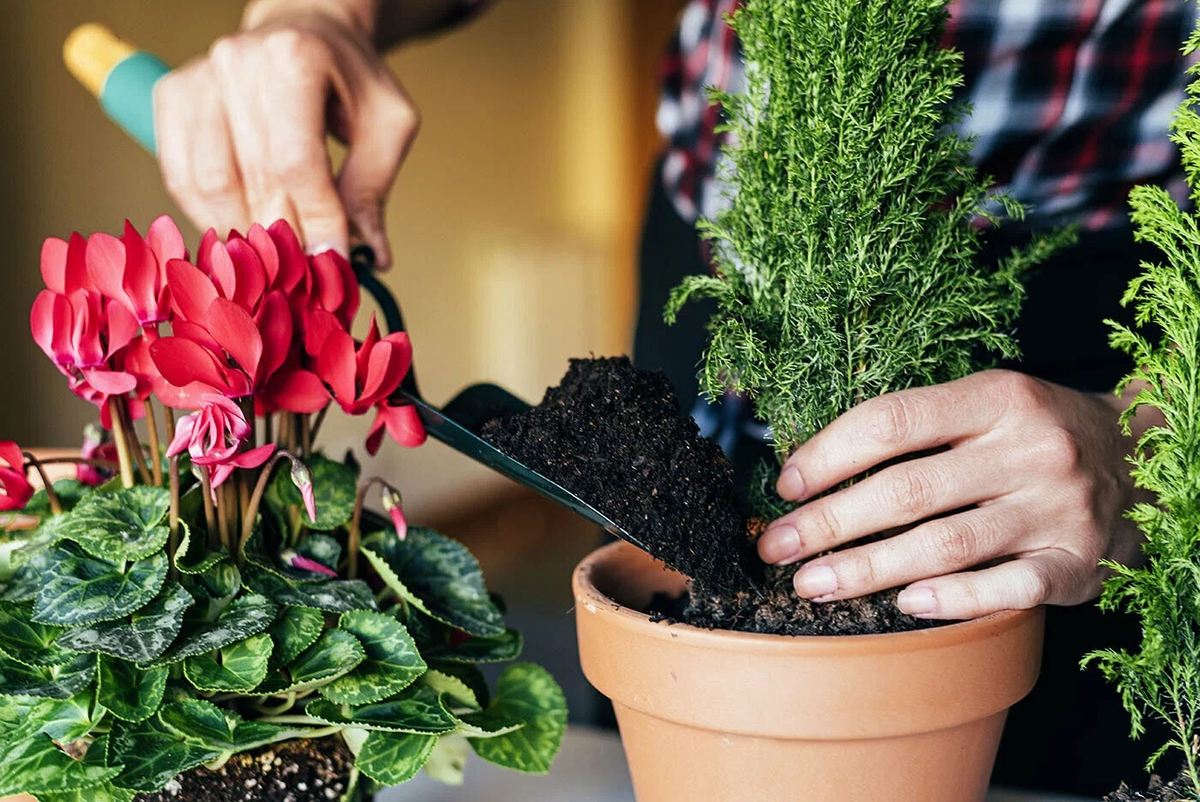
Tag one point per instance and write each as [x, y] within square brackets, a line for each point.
[321, 247]
[791, 484]
[815, 581]
[779, 544]
[916, 601]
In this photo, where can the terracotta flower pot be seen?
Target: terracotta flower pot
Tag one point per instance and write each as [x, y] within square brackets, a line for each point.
[717, 715]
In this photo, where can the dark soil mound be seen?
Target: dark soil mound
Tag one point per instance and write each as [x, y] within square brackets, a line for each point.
[290, 771]
[616, 437]
[1158, 791]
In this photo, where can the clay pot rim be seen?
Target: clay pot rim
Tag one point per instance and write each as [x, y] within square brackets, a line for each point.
[961, 632]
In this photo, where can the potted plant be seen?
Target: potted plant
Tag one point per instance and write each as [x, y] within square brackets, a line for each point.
[846, 269]
[1161, 679]
[222, 617]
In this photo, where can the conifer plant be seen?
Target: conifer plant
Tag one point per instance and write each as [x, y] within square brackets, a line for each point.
[1161, 679]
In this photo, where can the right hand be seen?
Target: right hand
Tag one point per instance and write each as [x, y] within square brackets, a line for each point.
[241, 131]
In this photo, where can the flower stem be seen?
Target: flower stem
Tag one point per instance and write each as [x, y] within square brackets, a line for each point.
[210, 518]
[155, 448]
[317, 421]
[48, 486]
[173, 519]
[223, 516]
[305, 436]
[95, 463]
[118, 425]
[267, 427]
[354, 535]
[135, 445]
[251, 511]
[169, 414]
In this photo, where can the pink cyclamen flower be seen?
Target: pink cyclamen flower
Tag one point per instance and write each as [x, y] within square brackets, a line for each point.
[302, 479]
[15, 490]
[95, 446]
[214, 437]
[393, 504]
[402, 424]
[363, 376]
[133, 271]
[295, 560]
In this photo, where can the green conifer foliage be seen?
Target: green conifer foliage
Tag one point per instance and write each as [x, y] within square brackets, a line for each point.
[847, 264]
[1162, 677]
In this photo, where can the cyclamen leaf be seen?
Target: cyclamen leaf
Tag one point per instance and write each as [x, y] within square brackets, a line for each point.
[439, 575]
[216, 728]
[525, 694]
[321, 548]
[332, 595]
[418, 710]
[456, 689]
[65, 720]
[69, 491]
[37, 765]
[105, 792]
[245, 616]
[335, 654]
[141, 639]
[55, 682]
[192, 556]
[46, 535]
[294, 630]
[84, 590]
[393, 662]
[125, 525]
[479, 650]
[130, 693]
[26, 641]
[30, 576]
[448, 760]
[221, 580]
[392, 758]
[334, 490]
[153, 755]
[242, 666]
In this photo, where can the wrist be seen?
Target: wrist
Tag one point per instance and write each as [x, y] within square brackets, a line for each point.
[360, 16]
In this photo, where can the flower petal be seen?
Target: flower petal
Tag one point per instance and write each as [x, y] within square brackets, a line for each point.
[232, 327]
[165, 242]
[335, 365]
[293, 265]
[297, 390]
[404, 425]
[54, 264]
[268, 254]
[105, 259]
[251, 279]
[110, 382]
[254, 457]
[274, 322]
[192, 292]
[141, 279]
[182, 361]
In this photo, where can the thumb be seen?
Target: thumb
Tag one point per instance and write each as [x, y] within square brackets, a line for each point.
[378, 143]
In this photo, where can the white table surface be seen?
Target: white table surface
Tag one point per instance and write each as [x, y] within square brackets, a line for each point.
[590, 768]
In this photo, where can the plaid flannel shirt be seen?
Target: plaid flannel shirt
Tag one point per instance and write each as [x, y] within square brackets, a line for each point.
[1072, 101]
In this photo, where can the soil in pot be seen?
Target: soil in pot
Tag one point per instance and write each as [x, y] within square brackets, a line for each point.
[289, 771]
[618, 438]
[1158, 791]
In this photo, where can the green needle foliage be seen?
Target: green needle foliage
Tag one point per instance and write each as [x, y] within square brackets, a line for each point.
[847, 263]
[1162, 677]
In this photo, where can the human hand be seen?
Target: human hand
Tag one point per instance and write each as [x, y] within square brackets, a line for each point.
[1025, 477]
[241, 131]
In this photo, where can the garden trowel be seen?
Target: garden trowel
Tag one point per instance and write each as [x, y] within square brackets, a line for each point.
[123, 78]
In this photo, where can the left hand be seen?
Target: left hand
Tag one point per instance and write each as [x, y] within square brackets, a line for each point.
[1025, 476]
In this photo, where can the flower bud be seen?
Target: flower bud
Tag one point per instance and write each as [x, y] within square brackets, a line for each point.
[302, 479]
[295, 560]
[393, 503]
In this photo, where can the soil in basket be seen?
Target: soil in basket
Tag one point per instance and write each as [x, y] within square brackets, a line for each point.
[617, 437]
[1158, 791]
[290, 771]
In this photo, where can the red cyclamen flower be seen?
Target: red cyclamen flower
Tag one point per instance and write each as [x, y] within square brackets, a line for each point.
[214, 437]
[15, 490]
[133, 271]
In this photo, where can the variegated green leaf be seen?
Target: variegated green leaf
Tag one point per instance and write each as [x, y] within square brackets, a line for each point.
[125, 525]
[393, 662]
[37, 765]
[321, 548]
[144, 637]
[69, 491]
[246, 615]
[449, 759]
[130, 693]
[335, 654]
[66, 720]
[217, 728]
[334, 490]
[153, 754]
[394, 758]
[438, 575]
[27, 641]
[478, 650]
[237, 668]
[55, 682]
[332, 595]
[28, 579]
[294, 630]
[84, 590]
[193, 556]
[458, 693]
[43, 538]
[528, 695]
[105, 792]
[417, 710]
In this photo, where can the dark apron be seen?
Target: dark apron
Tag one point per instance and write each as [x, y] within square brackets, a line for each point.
[1071, 734]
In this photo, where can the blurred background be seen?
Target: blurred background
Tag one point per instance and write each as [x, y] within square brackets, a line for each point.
[514, 223]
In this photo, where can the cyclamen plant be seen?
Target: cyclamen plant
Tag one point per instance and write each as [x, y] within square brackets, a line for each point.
[229, 590]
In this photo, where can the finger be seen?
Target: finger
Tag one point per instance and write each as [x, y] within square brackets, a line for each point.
[954, 543]
[195, 153]
[902, 494]
[1020, 584]
[381, 134]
